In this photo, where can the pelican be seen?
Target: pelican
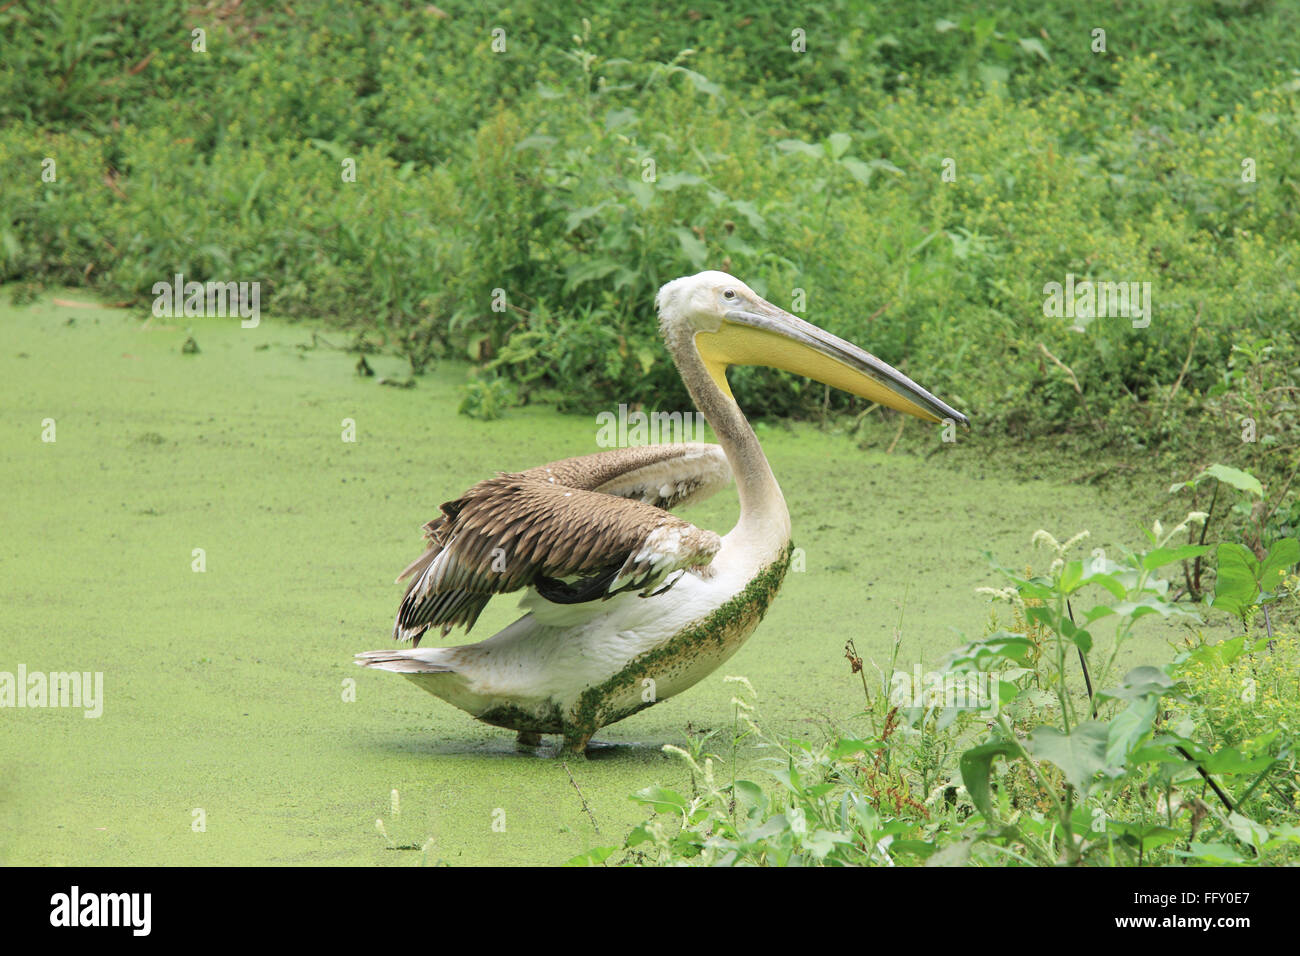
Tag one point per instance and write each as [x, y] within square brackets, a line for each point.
[627, 604]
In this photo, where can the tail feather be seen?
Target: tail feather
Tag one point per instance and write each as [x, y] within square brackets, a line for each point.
[401, 663]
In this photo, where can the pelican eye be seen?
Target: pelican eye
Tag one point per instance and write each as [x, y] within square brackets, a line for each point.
[729, 294]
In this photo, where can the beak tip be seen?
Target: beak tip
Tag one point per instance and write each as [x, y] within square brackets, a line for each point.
[954, 416]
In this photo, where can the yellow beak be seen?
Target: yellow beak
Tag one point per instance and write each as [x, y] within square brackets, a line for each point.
[762, 334]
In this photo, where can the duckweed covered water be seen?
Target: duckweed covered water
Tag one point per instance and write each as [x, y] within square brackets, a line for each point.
[228, 735]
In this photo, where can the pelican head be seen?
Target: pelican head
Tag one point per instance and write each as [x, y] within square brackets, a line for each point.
[731, 324]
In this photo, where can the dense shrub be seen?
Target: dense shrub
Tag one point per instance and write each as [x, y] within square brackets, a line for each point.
[519, 206]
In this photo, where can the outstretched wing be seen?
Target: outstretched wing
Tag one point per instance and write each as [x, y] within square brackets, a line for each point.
[576, 530]
[661, 475]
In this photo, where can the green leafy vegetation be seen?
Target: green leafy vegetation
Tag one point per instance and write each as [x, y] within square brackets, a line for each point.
[1026, 747]
[520, 195]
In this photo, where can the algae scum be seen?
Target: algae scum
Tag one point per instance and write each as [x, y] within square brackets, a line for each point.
[200, 533]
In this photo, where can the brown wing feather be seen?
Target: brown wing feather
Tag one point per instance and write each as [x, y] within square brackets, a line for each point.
[662, 475]
[546, 524]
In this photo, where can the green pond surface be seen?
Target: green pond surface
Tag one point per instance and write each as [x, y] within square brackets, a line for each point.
[226, 692]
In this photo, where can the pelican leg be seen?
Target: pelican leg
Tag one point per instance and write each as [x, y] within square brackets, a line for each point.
[528, 738]
[575, 743]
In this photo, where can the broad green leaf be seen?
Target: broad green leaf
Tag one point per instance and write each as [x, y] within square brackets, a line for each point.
[1156, 751]
[1236, 585]
[1144, 681]
[799, 146]
[702, 83]
[837, 144]
[866, 815]
[1039, 588]
[593, 857]
[1108, 581]
[1150, 604]
[788, 777]
[858, 170]
[993, 77]
[1043, 615]
[694, 249]
[1159, 557]
[1284, 554]
[1035, 46]
[1241, 480]
[589, 271]
[977, 655]
[1241, 555]
[1071, 577]
[638, 836]
[751, 214]
[1211, 853]
[1155, 837]
[1283, 835]
[1128, 727]
[1247, 830]
[1080, 754]
[661, 799]
[738, 247]
[1224, 652]
[957, 854]
[1076, 635]
[333, 149]
[579, 216]
[750, 794]
[976, 766]
[849, 747]
[821, 842]
[1230, 760]
[642, 192]
[917, 848]
[1148, 837]
[983, 29]
[772, 826]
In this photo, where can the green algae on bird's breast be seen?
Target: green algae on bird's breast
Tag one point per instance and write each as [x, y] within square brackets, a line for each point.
[717, 636]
